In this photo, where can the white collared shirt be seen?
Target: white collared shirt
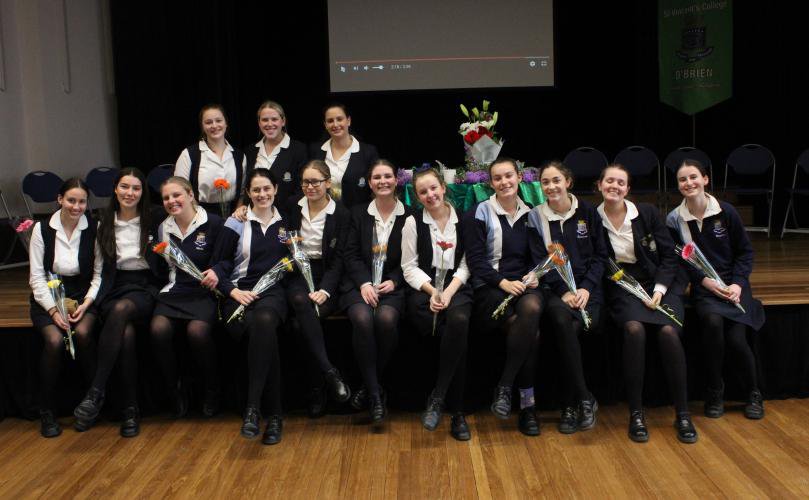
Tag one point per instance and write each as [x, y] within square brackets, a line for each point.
[266, 160]
[65, 259]
[170, 225]
[713, 208]
[211, 167]
[621, 238]
[312, 228]
[338, 166]
[413, 274]
[547, 214]
[383, 227]
[522, 209]
[276, 216]
[127, 245]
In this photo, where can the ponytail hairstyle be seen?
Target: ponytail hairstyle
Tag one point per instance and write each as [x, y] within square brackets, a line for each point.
[106, 228]
[184, 183]
[385, 163]
[259, 172]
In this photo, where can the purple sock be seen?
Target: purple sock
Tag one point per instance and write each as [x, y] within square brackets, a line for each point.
[526, 398]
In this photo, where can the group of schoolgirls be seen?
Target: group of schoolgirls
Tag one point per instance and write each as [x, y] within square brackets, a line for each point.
[344, 205]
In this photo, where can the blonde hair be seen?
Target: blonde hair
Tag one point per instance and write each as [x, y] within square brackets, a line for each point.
[181, 181]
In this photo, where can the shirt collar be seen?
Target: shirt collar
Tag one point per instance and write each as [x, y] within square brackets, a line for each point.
[372, 210]
[329, 210]
[522, 208]
[276, 216]
[713, 208]
[203, 146]
[56, 222]
[428, 219]
[631, 213]
[124, 223]
[549, 214]
[284, 144]
[354, 148]
[200, 218]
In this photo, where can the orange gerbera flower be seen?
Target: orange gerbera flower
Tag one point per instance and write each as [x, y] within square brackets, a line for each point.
[221, 183]
[160, 247]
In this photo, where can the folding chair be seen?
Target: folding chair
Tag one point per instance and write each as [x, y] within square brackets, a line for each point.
[752, 166]
[673, 162]
[156, 177]
[586, 164]
[100, 181]
[41, 187]
[644, 167]
[800, 187]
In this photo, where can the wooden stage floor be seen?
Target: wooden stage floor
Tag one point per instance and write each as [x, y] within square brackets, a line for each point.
[340, 457]
[780, 277]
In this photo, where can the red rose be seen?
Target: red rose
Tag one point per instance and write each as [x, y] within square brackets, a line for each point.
[445, 245]
[484, 131]
[471, 137]
[688, 249]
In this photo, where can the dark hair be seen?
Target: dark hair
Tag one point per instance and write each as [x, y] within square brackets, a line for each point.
[566, 172]
[504, 159]
[106, 229]
[689, 162]
[209, 107]
[73, 183]
[385, 163]
[619, 167]
[258, 172]
[335, 104]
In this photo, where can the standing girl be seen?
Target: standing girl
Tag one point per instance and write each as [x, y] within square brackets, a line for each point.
[213, 160]
[716, 228]
[64, 245]
[425, 235]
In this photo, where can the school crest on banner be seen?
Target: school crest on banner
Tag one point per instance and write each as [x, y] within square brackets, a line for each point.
[695, 53]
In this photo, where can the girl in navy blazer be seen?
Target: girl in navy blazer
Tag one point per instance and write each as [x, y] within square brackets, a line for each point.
[718, 231]
[128, 288]
[348, 158]
[245, 251]
[575, 224]
[212, 158]
[184, 304]
[323, 224]
[277, 151]
[637, 239]
[423, 233]
[374, 309]
[496, 240]
[65, 245]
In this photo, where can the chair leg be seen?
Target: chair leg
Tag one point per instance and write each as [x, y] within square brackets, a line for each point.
[769, 218]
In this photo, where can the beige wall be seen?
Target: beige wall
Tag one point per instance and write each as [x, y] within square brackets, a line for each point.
[43, 126]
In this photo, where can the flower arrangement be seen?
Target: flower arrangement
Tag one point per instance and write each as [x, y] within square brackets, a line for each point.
[631, 285]
[294, 240]
[481, 142]
[174, 254]
[269, 279]
[58, 295]
[694, 256]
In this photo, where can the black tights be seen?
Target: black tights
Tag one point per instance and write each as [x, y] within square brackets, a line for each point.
[452, 365]
[374, 337]
[718, 332]
[565, 329]
[671, 354]
[263, 359]
[200, 341]
[50, 361]
[118, 337]
[521, 342]
[311, 331]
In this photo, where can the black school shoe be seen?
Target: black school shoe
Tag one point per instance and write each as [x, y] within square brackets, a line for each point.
[338, 390]
[87, 412]
[377, 409]
[272, 434]
[459, 429]
[686, 432]
[638, 432]
[431, 416]
[360, 399]
[527, 422]
[714, 402]
[568, 421]
[588, 411]
[501, 402]
[130, 425]
[754, 409]
[317, 403]
[250, 422]
[49, 427]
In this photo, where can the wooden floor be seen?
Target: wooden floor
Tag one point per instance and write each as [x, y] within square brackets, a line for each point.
[340, 457]
[780, 277]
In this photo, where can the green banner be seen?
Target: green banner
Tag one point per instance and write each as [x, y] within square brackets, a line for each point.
[696, 53]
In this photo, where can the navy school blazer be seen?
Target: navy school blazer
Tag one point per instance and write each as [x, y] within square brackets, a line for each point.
[355, 190]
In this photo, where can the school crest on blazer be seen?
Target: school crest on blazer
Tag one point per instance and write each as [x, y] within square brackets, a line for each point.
[718, 229]
[581, 229]
[200, 242]
[361, 182]
[282, 234]
[648, 241]
[333, 243]
[287, 177]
